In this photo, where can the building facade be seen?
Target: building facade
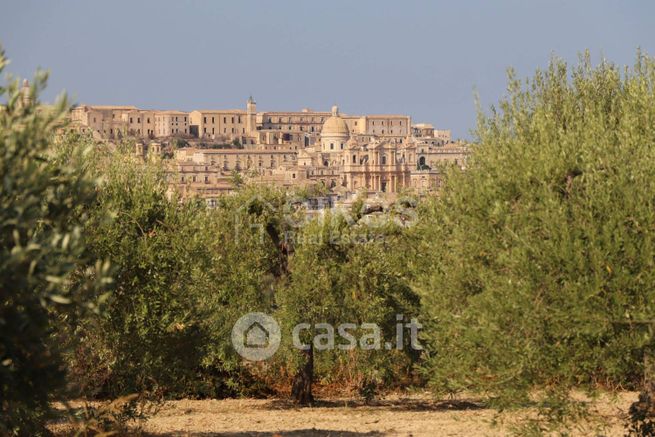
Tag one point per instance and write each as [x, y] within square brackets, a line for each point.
[346, 153]
[345, 160]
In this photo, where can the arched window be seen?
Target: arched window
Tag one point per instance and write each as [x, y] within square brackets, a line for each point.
[331, 146]
[354, 159]
[384, 159]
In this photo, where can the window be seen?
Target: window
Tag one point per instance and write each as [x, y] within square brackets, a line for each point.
[354, 159]
[331, 146]
[212, 119]
[204, 119]
[224, 119]
[384, 159]
[131, 120]
[341, 146]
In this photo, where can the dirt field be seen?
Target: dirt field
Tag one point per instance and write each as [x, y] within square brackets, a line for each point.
[417, 415]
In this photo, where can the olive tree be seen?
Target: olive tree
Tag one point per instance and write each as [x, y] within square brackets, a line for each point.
[537, 272]
[44, 265]
[347, 280]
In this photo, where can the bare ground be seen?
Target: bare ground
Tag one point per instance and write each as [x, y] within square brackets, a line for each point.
[414, 415]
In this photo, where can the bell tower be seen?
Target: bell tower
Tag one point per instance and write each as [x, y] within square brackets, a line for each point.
[25, 94]
[251, 116]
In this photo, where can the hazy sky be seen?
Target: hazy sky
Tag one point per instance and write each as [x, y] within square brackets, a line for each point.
[422, 58]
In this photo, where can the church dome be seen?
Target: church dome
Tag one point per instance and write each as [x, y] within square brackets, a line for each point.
[335, 126]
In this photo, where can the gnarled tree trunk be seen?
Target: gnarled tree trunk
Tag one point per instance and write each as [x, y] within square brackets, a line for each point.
[301, 391]
[642, 412]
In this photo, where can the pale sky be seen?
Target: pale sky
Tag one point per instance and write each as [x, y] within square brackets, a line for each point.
[422, 58]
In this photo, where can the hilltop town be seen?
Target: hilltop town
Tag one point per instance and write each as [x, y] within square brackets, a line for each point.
[347, 154]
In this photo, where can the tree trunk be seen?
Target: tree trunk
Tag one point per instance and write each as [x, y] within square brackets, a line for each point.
[642, 412]
[649, 381]
[301, 391]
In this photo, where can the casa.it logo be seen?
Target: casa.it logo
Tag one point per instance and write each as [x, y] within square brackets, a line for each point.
[256, 336]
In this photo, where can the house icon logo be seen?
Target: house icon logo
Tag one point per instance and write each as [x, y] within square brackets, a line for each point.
[256, 336]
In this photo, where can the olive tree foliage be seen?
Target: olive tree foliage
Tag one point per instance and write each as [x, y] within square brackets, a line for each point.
[148, 334]
[346, 273]
[42, 255]
[184, 273]
[537, 267]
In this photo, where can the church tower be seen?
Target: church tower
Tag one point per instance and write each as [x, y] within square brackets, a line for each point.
[251, 116]
[25, 94]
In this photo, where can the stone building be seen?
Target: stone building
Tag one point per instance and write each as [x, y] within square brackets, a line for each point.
[346, 153]
[346, 158]
[169, 123]
[224, 126]
[107, 121]
[218, 124]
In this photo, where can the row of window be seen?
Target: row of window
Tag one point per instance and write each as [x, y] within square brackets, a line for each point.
[332, 146]
[402, 132]
[232, 130]
[173, 131]
[400, 123]
[138, 120]
[291, 120]
[204, 120]
[161, 119]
